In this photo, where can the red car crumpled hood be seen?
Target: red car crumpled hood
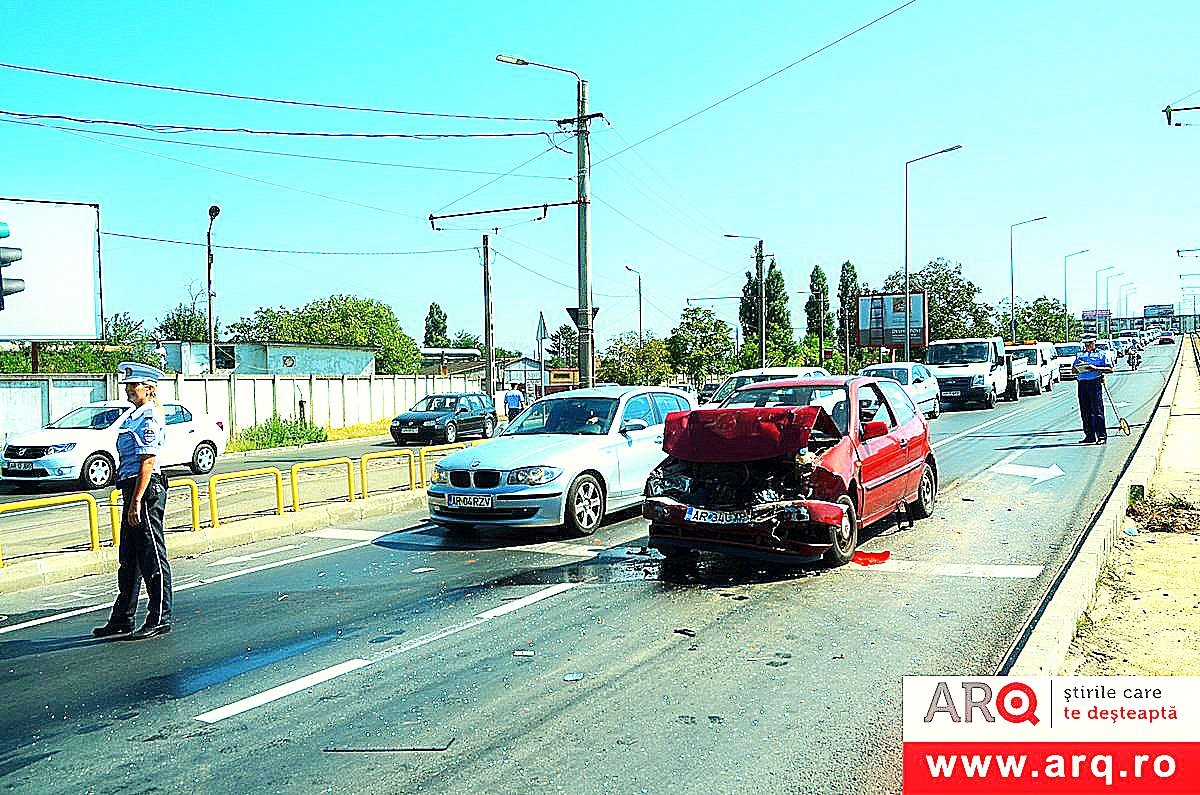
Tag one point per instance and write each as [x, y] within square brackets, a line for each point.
[744, 434]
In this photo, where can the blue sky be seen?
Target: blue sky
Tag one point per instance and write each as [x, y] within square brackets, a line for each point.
[1055, 103]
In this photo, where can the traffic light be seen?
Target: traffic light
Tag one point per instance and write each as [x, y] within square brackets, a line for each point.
[7, 257]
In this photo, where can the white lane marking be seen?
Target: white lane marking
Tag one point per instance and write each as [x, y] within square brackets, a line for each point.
[970, 431]
[555, 548]
[277, 693]
[346, 534]
[1039, 474]
[253, 555]
[304, 682]
[953, 569]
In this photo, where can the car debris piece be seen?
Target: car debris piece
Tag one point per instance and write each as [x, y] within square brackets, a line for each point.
[424, 570]
[1131, 531]
[686, 632]
[523, 653]
[573, 678]
[282, 596]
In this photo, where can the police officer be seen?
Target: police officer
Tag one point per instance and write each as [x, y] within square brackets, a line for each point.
[143, 550]
[1090, 367]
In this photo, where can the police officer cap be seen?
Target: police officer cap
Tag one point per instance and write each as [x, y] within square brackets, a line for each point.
[138, 373]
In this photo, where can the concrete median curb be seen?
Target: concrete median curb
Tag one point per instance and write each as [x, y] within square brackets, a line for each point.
[1045, 651]
[22, 575]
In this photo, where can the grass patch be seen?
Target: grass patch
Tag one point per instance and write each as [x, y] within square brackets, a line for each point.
[358, 431]
[275, 432]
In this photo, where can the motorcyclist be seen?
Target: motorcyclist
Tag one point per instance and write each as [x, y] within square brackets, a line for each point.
[1135, 357]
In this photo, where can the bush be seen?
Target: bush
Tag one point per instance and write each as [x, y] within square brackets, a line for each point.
[276, 432]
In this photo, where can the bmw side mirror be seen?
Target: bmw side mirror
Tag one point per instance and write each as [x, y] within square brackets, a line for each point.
[629, 426]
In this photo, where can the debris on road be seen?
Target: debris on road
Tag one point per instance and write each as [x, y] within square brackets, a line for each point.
[1130, 531]
[422, 570]
[869, 558]
[282, 596]
[573, 678]
[523, 653]
[686, 632]
[412, 750]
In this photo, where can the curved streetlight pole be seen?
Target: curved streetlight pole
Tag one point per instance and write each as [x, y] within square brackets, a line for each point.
[587, 342]
[907, 292]
[1012, 278]
[1066, 310]
[213, 212]
[762, 297]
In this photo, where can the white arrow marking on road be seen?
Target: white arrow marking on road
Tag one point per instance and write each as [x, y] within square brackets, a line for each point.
[253, 555]
[1039, 474]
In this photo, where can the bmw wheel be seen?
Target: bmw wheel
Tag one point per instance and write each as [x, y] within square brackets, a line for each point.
[451, 433]
[585, 505]
[97, 471]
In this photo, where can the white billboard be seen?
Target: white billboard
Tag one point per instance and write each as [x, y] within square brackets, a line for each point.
[60, 265]
[881, 320]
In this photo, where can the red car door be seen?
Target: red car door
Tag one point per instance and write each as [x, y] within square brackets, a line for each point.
[883, 458]
[912, 433]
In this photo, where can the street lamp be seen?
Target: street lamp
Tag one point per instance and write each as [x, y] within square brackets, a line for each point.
[762, 297]
[213, 212]
[907, 292]
[1066, 311]
[641, 341]
[1107, 306]
[1012, 278]
[587, 342]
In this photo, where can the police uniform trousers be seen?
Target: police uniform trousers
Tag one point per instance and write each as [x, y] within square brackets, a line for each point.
[143, 556]
[1091, 409]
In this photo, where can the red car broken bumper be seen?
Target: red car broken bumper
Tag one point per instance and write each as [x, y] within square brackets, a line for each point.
[793, 530]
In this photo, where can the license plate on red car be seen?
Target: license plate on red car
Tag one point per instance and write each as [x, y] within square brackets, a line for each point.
[705, 516]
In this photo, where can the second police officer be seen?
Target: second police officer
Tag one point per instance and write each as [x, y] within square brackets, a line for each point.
[1091, 366]
[143, 550]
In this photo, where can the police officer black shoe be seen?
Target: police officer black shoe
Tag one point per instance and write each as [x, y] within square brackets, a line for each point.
[1102, 440]
[149, 630]
[110, 629]
[1087, 440]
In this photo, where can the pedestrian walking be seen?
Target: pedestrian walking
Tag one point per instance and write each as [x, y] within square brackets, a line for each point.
[514, 401]
[1091, 366]
[142, 553]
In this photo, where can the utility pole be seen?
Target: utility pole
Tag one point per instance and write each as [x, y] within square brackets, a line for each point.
[762, 305]
[846, 324]
[641, 339]
[583, 161]
[820, 328]
[213, 212]
[489, 346]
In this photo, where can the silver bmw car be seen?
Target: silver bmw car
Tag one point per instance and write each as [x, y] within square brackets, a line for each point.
[568, 459]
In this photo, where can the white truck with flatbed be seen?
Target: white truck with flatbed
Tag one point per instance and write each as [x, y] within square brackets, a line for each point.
[973, 370]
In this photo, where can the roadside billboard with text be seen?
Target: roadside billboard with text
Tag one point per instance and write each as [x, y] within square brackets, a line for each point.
[1158, 310]
[881, 320]
[60, 266]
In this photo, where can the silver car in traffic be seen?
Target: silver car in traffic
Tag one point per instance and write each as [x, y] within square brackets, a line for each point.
[568, 459]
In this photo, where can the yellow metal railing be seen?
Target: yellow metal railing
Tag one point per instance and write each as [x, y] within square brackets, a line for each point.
[324, 462]
[245, 473]
[114, 507]
[437, 448]
[412, 466]
[62, 499]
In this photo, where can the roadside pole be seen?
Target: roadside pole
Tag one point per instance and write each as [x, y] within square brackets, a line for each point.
[490, 350]
[762, 305]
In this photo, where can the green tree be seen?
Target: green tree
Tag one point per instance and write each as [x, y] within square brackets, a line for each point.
[952, 300]
[121, 327]
[817, 308]
[781, 344]
[847, 298]
[465, 339]
[1040, 320]
[186, 322]
[628, 361]
[437, 334]
[506, 353]
[563, 348]
[338, 320]
[701, 344]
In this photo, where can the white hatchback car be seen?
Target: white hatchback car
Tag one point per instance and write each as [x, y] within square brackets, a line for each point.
[918, 382]
[83, 445]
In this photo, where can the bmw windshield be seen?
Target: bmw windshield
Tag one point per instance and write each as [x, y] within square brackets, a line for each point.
[580, 416]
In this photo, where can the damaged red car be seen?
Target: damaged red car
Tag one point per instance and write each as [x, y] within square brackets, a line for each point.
[790, 470]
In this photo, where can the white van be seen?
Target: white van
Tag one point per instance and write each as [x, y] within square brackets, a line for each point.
[1033, 364]
[740, 379]
[972, 370]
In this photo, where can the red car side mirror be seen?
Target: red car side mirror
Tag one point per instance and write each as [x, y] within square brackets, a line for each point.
[874, 429]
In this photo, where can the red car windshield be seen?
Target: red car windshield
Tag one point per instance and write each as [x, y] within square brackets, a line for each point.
[834, 399]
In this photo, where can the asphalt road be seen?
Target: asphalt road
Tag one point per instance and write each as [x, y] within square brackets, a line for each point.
[380, 656]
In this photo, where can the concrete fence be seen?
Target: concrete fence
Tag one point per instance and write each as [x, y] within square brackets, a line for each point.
[31, 401]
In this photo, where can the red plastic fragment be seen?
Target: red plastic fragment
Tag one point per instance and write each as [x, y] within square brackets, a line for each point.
[869, 558]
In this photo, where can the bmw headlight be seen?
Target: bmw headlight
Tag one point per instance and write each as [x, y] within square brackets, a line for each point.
[439, 475]
[60, 448]
[428, 423]
[977, 381]
[533, 476]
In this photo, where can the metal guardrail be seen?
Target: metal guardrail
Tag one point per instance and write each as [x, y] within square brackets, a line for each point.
[245, 473]
[412, 466]
[61, 499]
[115, 506]
[324, 462]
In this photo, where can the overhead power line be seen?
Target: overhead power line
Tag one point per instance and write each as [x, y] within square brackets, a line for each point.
[175, 129]
[760, 81]
[246, 97]
[541, 275]
[274, 153]
[287, 250]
